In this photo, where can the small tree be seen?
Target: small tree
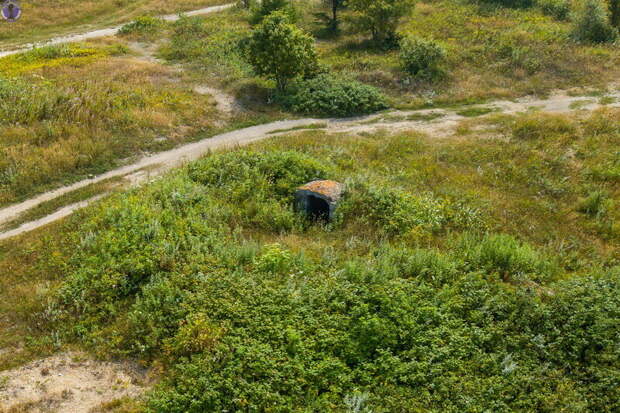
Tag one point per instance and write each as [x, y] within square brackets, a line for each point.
[421, 58]
[265, 7]
[380, 17]
[280, 50]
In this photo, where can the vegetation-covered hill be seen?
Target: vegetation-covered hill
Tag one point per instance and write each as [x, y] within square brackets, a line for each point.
[465, 274]
[474, 271]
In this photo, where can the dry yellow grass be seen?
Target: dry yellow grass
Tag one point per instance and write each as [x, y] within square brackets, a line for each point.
[82, 117]
[46, 18]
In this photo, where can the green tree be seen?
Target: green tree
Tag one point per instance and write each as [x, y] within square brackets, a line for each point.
[280, 50]
[380, 17]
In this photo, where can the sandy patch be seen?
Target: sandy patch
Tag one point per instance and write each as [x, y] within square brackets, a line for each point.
[70, 382]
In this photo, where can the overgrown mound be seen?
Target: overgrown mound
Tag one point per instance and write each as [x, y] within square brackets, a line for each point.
[186, 271]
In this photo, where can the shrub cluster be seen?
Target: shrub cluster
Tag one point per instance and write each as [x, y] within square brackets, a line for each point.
[421, 58]
[326, 95]
[399, 213]
[174, 271]
[592, 25]
[559, 9]
[144, 25]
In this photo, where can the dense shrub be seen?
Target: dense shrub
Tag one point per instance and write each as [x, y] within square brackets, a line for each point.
[264, 8]
[399, 213]
[380, 18]
[502, 254]
[592, 25]
[281, 51]
[421, 58]
[326, 95]
[145, 25]
[559, 9]
[171, 271]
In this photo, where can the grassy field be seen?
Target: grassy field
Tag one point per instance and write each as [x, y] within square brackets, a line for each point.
[130, 106]
[493, 53]
[42, 19]
[76, 110]
[485, 259]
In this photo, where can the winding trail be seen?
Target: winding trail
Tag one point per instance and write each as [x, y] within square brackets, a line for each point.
[110, 31]
[443, 125]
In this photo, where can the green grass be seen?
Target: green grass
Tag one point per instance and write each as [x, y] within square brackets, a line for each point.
[475, 112]
[303, 127]
[48, 18]
[531, 54]
[425, 116]
[49, 207]
[580, 104]
[71, 111]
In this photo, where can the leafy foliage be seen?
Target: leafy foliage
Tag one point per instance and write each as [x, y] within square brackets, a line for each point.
[380, 17]
[264, 8]
[403, 214]
[560, 9]
[326, 95]
[279, 50]
[592, 25]
[421, 58]
[390, 308]
[144, 25]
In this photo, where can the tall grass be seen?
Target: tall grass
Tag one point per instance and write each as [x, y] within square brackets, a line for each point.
[84, 116]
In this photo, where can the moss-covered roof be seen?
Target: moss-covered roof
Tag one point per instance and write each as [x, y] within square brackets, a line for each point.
[331, 190]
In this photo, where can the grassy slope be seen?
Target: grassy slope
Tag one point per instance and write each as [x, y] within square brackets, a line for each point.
[527, 176]
[71, 111]
[493, 53]
[531, 54]
[42, 19]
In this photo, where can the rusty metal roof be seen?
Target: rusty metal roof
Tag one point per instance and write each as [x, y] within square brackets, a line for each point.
[331, 190]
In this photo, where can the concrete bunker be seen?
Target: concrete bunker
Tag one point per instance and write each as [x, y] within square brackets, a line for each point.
[319, 199]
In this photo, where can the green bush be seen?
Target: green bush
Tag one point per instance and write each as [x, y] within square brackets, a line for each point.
[264, 8]
[399, 213]
[421, 58]
[380, 18]
[145, 25]
[591, 24]
[502, 254]
[559, 9]
[326, 95]
[279, 50]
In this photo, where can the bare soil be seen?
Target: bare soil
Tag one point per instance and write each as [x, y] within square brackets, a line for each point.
[69, 382]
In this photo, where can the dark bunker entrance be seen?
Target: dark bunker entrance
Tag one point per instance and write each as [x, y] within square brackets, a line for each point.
[317, 208]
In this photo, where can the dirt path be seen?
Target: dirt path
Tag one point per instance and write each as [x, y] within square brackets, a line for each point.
[110, 31]
[443, 124]
[68, 382]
